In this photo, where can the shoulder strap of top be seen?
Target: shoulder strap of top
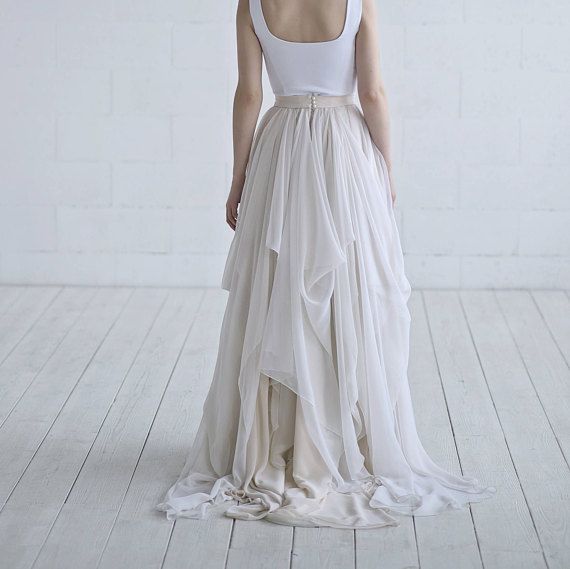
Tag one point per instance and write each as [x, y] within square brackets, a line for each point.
[357, 13]
[257, 18]
[354, 10]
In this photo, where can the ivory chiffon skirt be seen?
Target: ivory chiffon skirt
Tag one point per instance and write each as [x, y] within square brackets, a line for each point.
[309, 419]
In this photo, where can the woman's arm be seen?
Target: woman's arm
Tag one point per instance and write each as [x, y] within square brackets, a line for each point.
[371, 92]
[247, 104]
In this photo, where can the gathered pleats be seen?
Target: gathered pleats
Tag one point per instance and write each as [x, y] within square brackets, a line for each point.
[309, 418]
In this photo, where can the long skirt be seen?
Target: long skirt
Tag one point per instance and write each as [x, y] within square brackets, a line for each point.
[308, 420]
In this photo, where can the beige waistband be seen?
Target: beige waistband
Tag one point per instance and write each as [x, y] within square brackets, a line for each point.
[313, 100]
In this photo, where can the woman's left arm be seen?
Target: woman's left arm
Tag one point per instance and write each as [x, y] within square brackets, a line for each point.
[247, 104]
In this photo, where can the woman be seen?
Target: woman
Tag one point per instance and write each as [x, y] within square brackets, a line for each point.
[309, 418]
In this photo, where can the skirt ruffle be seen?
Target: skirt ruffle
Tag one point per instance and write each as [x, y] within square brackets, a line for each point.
[309, 418]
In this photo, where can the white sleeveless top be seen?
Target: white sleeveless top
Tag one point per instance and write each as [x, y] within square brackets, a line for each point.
[298, 68]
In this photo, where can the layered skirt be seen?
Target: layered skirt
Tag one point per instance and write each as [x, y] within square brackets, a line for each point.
[309, 420]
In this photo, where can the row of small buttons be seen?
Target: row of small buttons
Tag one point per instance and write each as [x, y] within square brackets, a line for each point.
[313, 107]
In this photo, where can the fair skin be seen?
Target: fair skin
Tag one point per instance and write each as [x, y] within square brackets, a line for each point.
[311, 20]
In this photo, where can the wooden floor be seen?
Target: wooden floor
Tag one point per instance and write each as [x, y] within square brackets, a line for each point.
[101, 391]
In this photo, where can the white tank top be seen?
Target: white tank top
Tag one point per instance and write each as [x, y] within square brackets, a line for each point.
[298, 68]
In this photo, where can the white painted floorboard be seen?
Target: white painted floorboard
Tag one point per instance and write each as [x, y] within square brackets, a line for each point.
[101, 393]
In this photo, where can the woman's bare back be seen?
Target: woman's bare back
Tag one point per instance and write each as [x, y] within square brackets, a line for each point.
[306, 21]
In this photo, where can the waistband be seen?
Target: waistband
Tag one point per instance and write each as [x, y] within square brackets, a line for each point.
[313, 100]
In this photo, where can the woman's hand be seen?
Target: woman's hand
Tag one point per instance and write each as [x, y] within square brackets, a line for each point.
[232, 202]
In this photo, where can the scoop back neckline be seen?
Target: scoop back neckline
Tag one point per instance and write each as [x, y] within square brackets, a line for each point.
[273, 36]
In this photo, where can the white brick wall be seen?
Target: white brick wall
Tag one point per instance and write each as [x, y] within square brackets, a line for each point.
[115, 144]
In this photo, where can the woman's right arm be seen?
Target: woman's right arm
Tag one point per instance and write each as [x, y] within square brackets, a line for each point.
[247, 104]
[371, 91]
